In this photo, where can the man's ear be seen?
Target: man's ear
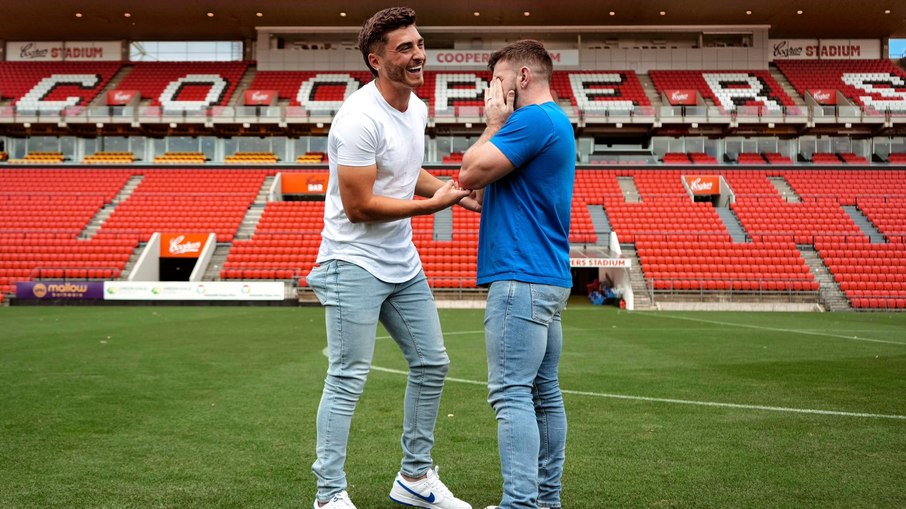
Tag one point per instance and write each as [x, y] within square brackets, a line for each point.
[375, 61]
[524, 76]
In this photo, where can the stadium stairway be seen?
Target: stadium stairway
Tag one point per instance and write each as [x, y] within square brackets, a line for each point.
[443, 225]
[133, 259]
[244, 83]
[640, 293]
[113, 84]
[218, 258]
[864, 224]
[98, 220]
[734, 227]
[601, 224]
[253, 215]
[630, 190]
[829, 291]
[250, 222]
[650, 90]
[786, 86]
[786, 191]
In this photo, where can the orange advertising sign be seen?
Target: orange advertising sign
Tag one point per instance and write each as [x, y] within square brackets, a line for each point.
[182, 245]
[305, 182]
[703, 185]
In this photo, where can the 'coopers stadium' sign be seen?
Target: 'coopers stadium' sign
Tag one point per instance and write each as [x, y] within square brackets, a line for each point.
[824, 49]
[463, 58]
[45, 51]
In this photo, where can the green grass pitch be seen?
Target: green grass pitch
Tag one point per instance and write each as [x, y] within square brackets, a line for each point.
[214, 407]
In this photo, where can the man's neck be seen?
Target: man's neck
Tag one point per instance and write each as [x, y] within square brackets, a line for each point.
[396, 96]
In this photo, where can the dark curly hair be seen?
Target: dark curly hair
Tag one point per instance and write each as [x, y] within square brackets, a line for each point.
[373, 35]
[526, 52]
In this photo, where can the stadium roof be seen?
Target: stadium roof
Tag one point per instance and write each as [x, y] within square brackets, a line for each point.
[50, 20]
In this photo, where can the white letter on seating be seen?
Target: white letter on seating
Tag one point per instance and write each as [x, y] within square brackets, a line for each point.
[34, 99]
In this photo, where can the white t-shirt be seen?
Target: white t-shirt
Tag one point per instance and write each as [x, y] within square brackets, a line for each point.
[365, 131]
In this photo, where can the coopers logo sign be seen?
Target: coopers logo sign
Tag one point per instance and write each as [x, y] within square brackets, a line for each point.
[682, 97]
[260, 97]
[824, 95]
[122, 97]
[703, 185]
[182, 245]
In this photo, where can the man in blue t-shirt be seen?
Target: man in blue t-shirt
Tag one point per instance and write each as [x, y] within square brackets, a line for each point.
[525, 162]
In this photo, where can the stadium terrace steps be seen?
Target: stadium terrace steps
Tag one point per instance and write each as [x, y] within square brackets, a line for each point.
[786, 191]
[786, 86]
[107, 210]
[133, 259]
[864, 224]
[250, 222]
[830, 294]
[443, 225]
[629, 189]
[218, 258]
[601, 223]
[737, 232]
[641, 293]
[113, 84]
[245, 83]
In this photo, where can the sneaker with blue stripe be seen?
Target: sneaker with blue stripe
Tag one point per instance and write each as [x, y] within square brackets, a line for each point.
[428, 492]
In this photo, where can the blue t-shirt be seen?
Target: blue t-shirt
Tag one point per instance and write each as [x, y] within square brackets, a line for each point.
[524, 233]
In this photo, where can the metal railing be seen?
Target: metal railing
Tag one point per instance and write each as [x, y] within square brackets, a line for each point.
[284, 115]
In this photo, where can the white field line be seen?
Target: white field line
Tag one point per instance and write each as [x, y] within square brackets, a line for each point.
[673, 400]
[682, 401]
[791, 331]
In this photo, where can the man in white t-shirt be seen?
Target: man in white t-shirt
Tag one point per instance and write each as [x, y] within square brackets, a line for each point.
[369, 269]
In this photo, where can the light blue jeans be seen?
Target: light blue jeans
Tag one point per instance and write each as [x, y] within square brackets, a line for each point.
[354, 302]
[524, 339]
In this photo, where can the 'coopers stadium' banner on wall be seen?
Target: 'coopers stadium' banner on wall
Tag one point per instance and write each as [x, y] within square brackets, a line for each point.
[44, 51]
[824, 49]
[479, 58]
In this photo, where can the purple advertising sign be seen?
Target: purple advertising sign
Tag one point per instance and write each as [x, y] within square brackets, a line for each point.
[48, 290]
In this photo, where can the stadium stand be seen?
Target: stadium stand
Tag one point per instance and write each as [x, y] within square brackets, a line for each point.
[184, 86]
[49, 87]
[597, 91]
[312, 158]
[682, 245]
[873, 84]
[750, 158]
[44, 211]
[180, 158]
[251, 158]
[189, 201]
[777, 158]
[40, 158]
[727, 89]
[109, 158]
[284, 246]
[325, 90]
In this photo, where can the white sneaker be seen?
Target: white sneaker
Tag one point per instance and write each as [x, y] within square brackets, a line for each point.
[339, 501]
[429, 493]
